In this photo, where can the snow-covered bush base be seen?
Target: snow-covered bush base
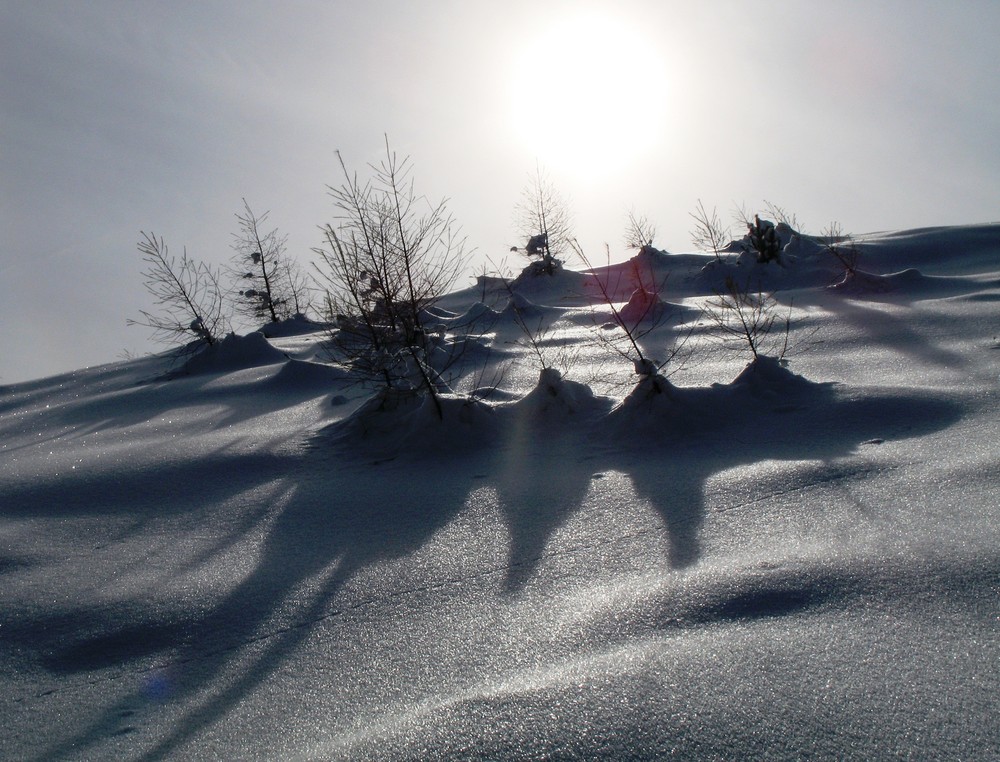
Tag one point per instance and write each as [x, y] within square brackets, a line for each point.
[233, 353]
[414, 422]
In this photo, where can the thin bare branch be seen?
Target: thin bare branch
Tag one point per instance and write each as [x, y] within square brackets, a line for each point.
[187, 293]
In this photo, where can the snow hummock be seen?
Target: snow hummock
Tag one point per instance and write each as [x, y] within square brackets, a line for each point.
[297, 325]
[479, 314]
[305, 373]
[556, 398]
[397, 421]
[645, 306]
[520, 305]
[233, 353]
[771, 376]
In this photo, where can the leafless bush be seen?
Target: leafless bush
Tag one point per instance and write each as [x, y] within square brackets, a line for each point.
[649, 314]
[742, 216]
[709, 234]
[781, 216]
[842, 248]
[639, 231]
[744, 318]
[187, 295]
[270, 286]
[386, 261]
[536, 335]
[542, 218]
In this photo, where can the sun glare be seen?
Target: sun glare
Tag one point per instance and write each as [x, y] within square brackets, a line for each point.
[588, 93]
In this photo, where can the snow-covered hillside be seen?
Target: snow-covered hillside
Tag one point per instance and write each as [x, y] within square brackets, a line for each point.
[242, 556]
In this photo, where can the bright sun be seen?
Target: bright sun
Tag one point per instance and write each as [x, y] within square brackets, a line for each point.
[588, 93]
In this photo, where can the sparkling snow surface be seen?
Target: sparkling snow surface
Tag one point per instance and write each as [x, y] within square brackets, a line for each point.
[214, 561]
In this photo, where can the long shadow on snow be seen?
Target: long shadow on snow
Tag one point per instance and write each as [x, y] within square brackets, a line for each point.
[329, 529]
[670, 453]
[167, 488]
[219, 402]
[540, 479]
[344, 515]
[892, 331]
[670, 448]
[74, 638]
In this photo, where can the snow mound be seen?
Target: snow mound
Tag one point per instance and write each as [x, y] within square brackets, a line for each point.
[494, 393]
[802, 248]
[656, 408]
[304, 373]
[556, 397]
[435, 313]
[933, 250]
[652, 398]
[541, 269]
[233, 353]
[768, 376]
[909, 284]
[913, 285]
[296, 325]
[520, 305]
[646, 307]
[860, 282]
[490, 283]
[651, 256]
[618, 282]
[478, 314]
[549, 289]
[397, 422]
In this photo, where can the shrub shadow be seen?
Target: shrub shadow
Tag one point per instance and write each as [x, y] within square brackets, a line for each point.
[344, 513]
[670, 455]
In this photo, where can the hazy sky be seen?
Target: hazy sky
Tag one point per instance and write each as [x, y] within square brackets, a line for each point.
[119, 117]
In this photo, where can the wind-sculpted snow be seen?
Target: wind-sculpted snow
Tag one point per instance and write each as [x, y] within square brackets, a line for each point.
[755, 636]
[233, 353]
[646, 307]
[721, 560]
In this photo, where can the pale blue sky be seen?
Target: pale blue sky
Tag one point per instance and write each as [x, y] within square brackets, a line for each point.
[117, 117]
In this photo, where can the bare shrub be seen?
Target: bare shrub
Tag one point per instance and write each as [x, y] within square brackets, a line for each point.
[709, 234]
[633, 324]
[186, 293]
[744, 318]
[842, 248]
[389, 257]
[639, 231]
[270, 286]
[781, 215]
[543, 220]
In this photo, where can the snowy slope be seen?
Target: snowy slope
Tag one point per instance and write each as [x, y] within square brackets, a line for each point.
[239, 558]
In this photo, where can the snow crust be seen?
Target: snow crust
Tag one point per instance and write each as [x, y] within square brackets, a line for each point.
[725, 558]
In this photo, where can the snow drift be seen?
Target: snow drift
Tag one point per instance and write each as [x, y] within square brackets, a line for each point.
[715, 560]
